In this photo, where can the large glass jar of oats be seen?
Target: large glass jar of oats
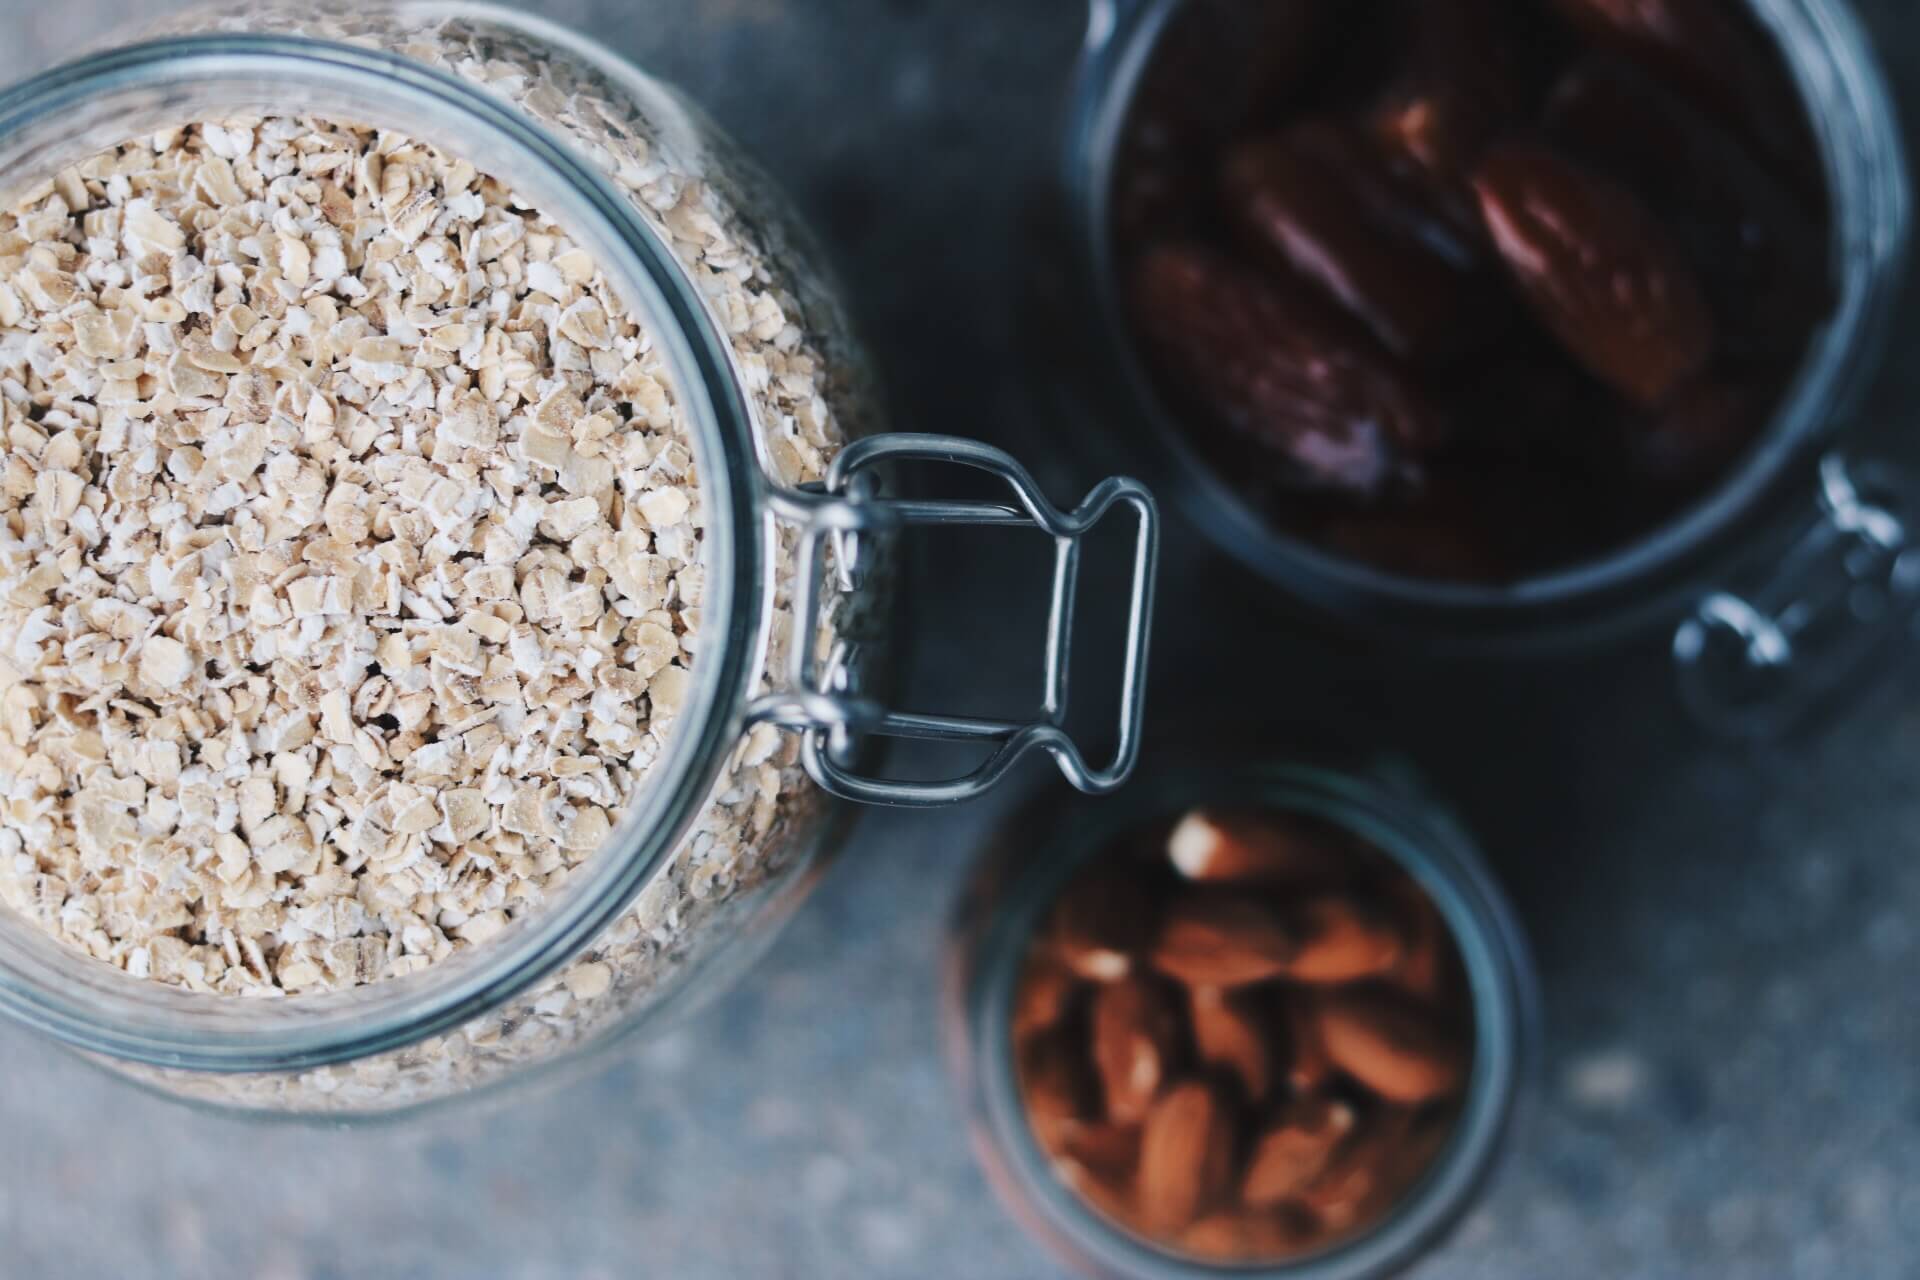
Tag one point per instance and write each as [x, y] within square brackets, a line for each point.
[444, 557]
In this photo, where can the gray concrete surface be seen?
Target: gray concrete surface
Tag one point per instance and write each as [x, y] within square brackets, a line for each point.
[1727, 944]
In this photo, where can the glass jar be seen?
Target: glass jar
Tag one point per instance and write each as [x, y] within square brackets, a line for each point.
[793, 608]
[1755, 515]
[1026, 869]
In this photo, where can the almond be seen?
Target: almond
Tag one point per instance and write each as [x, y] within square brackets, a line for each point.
[1242, 1235]
[1229, 1034]
[1425, 966]
[1136, 1032]
[1057, 1084]
[1390, 1043]
[1209, 845]
[1045, 990]
[1293, 1153]
[1111, 1197]
[1185, 1158]
[1102, 921]
[1111, 1151]
[1308, 1066]
[1222, 940]
[1417, 1146]
[1368, 1175]
[1339, 940]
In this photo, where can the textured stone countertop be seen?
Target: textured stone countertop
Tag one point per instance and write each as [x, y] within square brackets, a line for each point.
[1727, 945]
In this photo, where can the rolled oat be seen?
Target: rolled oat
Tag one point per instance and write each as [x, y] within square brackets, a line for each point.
[352, 559]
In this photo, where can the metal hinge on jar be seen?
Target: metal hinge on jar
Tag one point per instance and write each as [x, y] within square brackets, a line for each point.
[819, 700]
[1756, 663]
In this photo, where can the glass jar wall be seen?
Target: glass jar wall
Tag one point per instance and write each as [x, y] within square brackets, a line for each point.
[747, 365]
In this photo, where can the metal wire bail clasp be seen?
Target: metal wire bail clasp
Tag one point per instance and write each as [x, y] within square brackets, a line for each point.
[818, 701]
[1754, 664]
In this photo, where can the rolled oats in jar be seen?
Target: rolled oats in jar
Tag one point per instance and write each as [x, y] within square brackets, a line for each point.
[435, 597]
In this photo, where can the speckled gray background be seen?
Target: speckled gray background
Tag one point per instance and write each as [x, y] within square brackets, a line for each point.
[1728, 946]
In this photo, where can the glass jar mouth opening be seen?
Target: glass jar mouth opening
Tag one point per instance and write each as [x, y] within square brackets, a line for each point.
[66, 114]
[1428, 847]
[1865, 168]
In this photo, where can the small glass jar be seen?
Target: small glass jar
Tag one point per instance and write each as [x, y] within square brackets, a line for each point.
[1757, 516]
[793, 618]
[1038, 854]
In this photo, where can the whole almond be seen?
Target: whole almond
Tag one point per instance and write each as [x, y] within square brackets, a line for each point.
[1234, 1035]
[1308, 1066]
[1057, 1084]
[1185, 1155]
[1415, 1146]
[1111, 1151]
[1341, 940]
[1424, 968]
[1391, 1043]
[1222, 939]
[1110, 1196]
[1041, 997]
[1295, 1151]
[1102, 921]
[1210, 845]
[1136, 1032]
[1247, 1235]
[1367, 1175]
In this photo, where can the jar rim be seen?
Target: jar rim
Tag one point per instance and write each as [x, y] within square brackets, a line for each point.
[54, 118]
[1848, 101]
[1394, 815]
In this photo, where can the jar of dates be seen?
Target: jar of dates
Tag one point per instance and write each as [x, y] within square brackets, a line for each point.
[1497, 324]
[472, 248]
[1255, 1019]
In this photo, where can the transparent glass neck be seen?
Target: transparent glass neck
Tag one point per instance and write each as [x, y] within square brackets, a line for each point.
[74, 111]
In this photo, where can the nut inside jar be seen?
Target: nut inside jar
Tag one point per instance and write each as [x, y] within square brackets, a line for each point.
[1243, 1036]
[1471, 290]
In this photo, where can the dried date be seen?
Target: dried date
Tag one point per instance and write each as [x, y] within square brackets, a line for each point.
[1320, 200]
[1604, 277]
[1274, 367]
[1756, 245]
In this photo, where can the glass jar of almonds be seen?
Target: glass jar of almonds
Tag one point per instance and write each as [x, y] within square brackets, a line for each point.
[1250, 1019]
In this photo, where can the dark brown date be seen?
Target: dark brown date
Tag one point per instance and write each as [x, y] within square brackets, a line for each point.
[1755, 244]
[1221, 64]
[1319, 200]
[1696, 437]
[1604, 277]
[1275, 367]
[1461, 86]
[1217, 66]
[1713, 53]
[1471, 290]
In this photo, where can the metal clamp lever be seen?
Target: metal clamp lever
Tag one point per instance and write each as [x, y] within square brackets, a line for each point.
[1753, 665]
[818, 701]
